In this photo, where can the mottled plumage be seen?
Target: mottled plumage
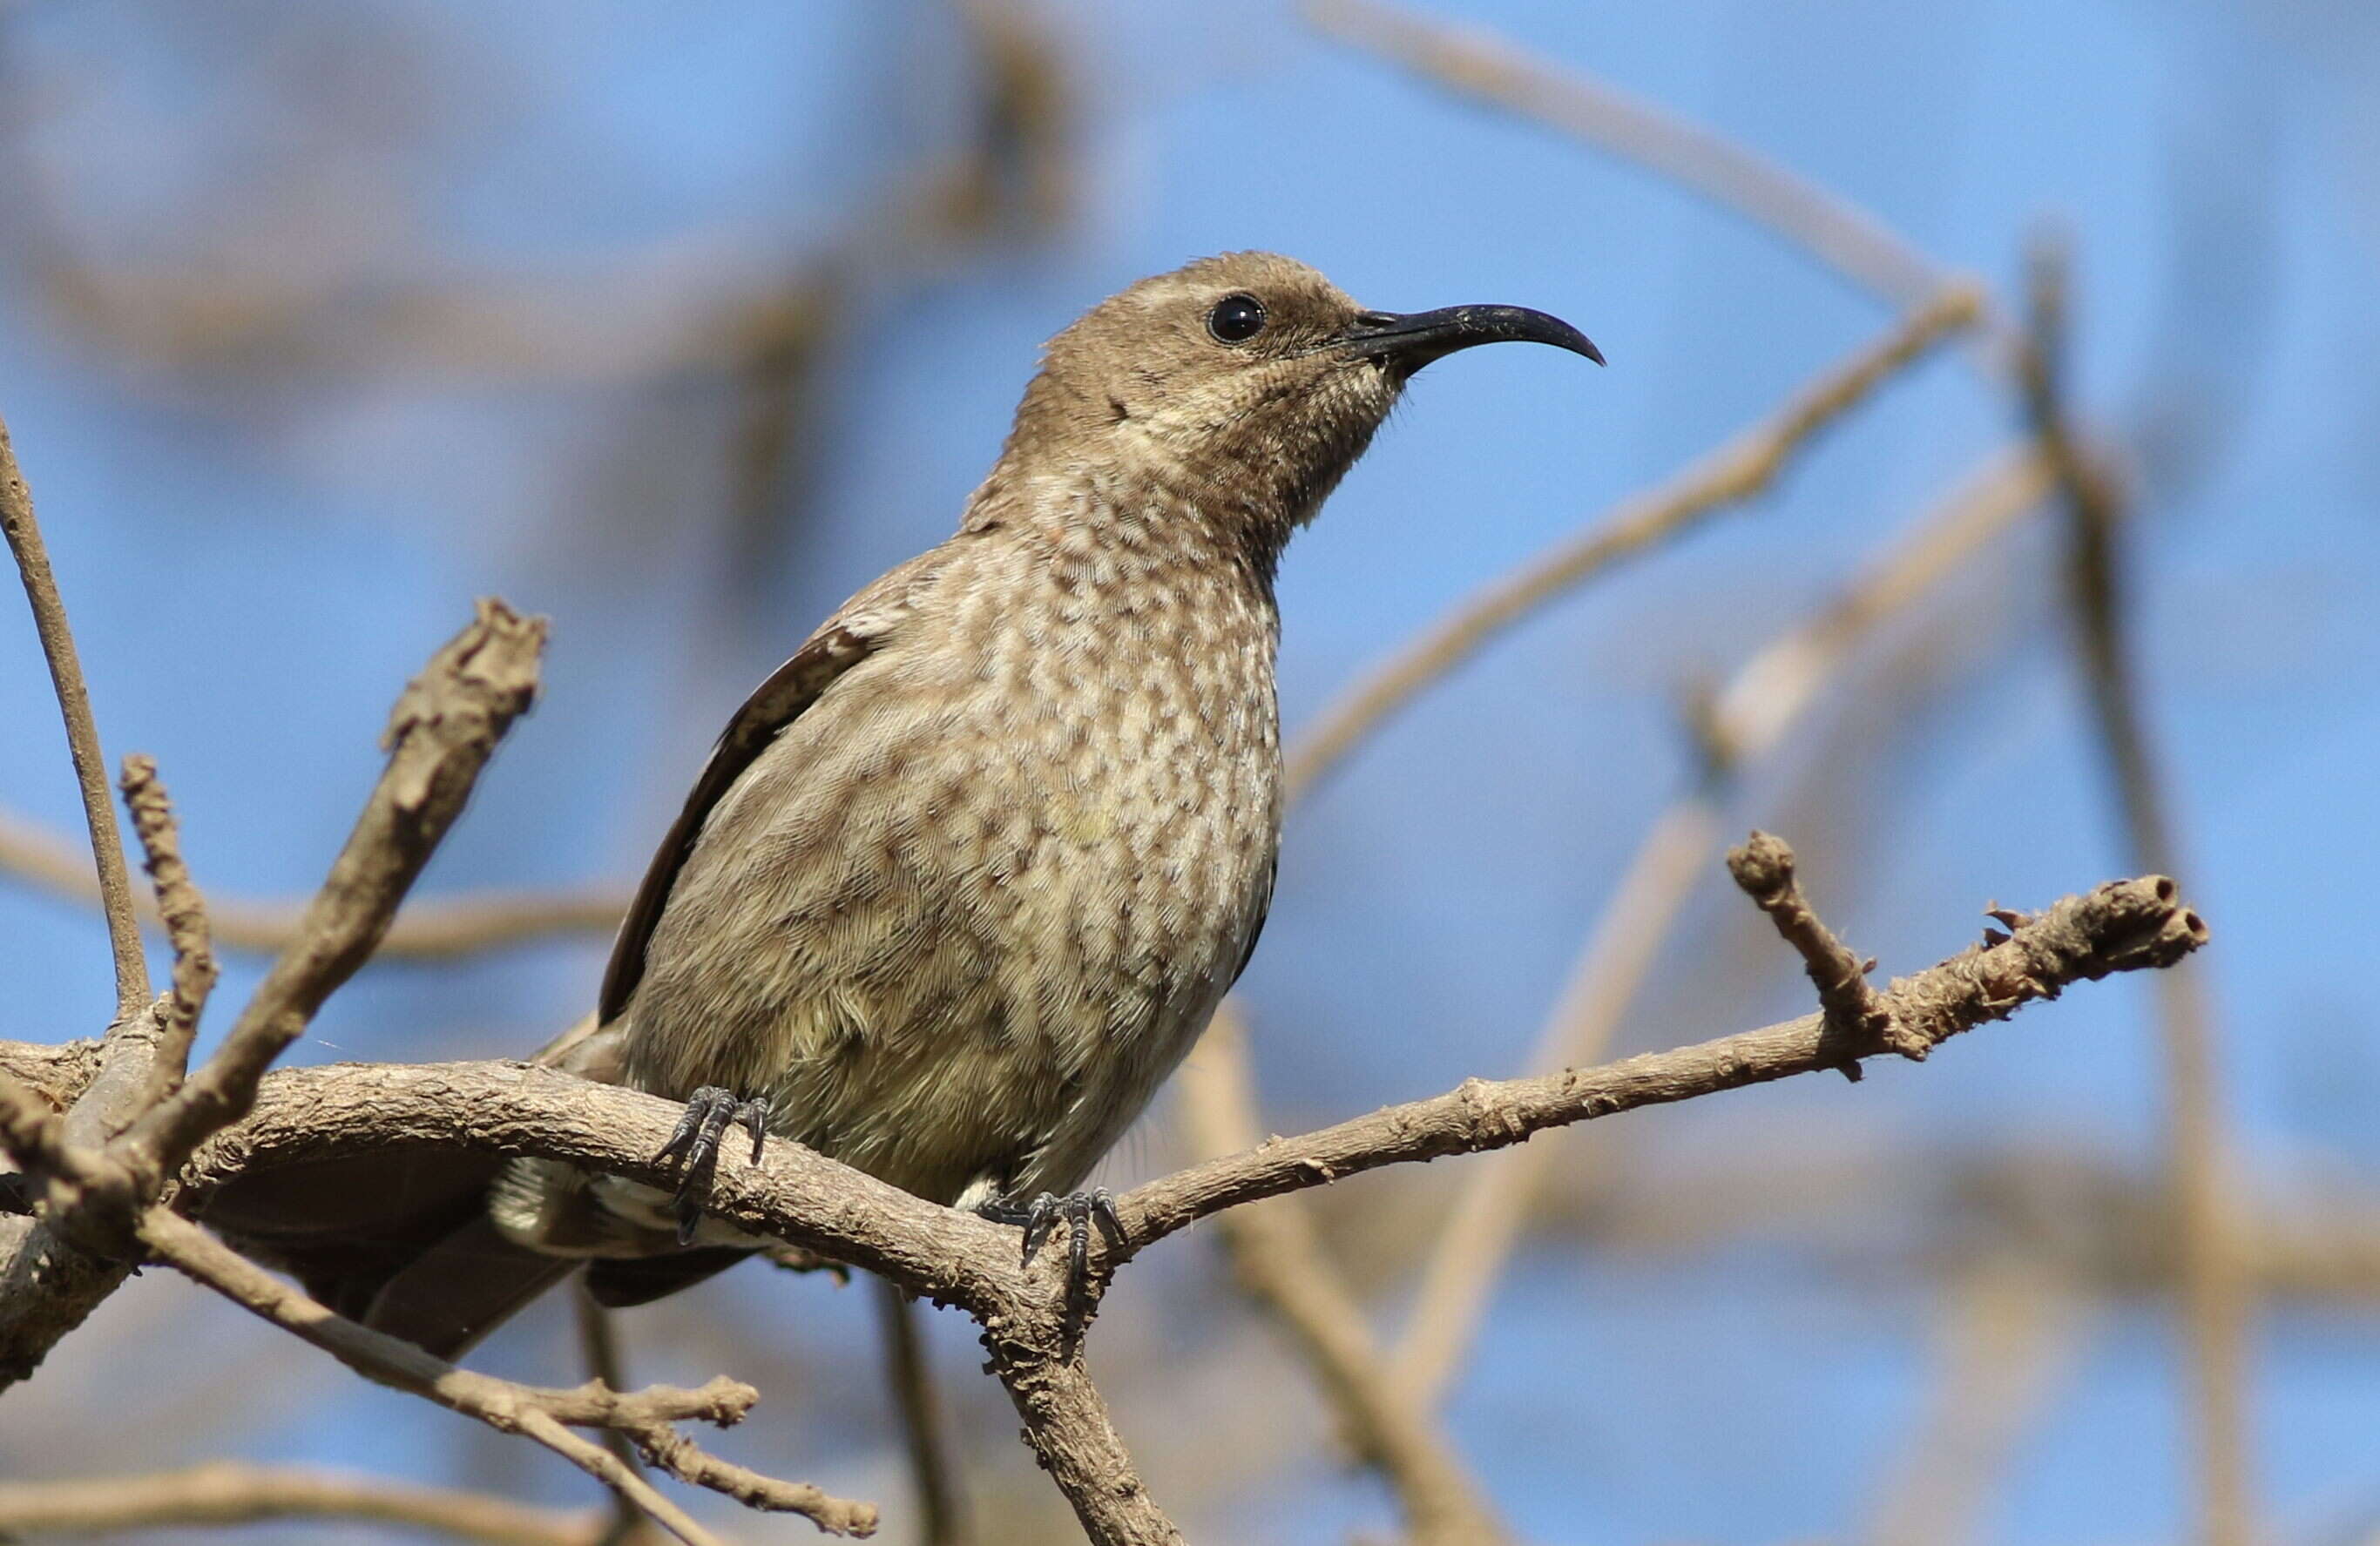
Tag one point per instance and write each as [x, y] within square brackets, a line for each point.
[967, 877]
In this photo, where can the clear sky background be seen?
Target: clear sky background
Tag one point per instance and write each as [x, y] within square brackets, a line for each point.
[268, 503]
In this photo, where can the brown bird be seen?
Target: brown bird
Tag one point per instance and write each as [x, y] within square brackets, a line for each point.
[967, 877]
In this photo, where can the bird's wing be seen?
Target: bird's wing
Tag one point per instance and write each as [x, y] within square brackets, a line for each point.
[855, 632]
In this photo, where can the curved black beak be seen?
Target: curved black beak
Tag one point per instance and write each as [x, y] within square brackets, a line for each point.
[1405, 343]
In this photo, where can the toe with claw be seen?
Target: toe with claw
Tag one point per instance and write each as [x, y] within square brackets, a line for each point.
[710, 1112]
[1080, 1210]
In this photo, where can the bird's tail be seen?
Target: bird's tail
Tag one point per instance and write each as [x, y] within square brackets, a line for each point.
[404, 1241]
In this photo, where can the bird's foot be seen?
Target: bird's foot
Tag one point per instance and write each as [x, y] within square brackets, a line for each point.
[710, 1112]
[1079, 1209]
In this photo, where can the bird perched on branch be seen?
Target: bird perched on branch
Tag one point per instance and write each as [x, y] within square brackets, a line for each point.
[968, 875]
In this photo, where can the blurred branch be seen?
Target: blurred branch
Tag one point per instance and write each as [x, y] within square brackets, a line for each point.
[1491, 1208]
[1474, 63]
[1746, 721]
[1737, 471]
[1276, 1259]
[434, 928]
[2007, 1335]
[2215, 1287]
[647, 1417]
[941, 1507]
[113, 881]
[229, 1493]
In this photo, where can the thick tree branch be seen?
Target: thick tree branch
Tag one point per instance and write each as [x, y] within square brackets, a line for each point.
[1738, 471]
[1067, 1427]
[323, 1113]
[227, 1493]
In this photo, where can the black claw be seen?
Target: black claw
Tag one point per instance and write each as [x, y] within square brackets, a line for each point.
[1082, 1211]
[1110, 1222]
[1078, 1237]
[755, 1122]
[688, 1125]
[710, 1112]
[1041, 1216]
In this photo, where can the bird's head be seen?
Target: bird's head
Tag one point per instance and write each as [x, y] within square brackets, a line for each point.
[1248, 383]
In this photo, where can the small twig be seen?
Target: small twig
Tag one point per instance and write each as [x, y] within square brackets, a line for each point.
[1747, 718]
[1277, 1258]
[226, 1492]
[1739, 470]
[444, 730]
[429, 928]
[1855, 1014]
[184, 915]
[82, 733]
[941, 1507]
[647, 1417]
[2216, 1292]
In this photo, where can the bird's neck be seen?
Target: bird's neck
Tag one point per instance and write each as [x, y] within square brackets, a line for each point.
[1154, 520]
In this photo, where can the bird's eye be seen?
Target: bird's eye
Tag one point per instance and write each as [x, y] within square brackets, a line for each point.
[1236, 319]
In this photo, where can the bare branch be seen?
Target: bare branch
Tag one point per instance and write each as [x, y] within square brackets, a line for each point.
[1275, 1254]
[1485, 1224]
[430, 928]
[185, 916]
[2009, 1334]
[1737, 471]
[82, 732]
[2215, 1281]
[229, 1493]
[646, 1416]
[1067, 1428]
[1762, 867]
